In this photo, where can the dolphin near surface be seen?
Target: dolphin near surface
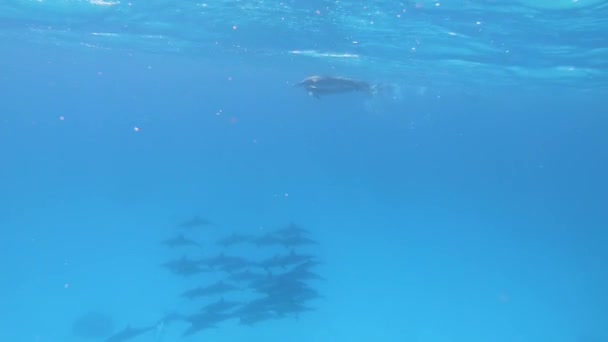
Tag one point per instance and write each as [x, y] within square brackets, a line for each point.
[318, 86]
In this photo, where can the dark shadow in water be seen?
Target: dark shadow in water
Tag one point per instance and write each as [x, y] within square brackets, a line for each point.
[93, 325]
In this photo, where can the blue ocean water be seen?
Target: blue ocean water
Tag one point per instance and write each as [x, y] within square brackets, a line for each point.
[464, 201]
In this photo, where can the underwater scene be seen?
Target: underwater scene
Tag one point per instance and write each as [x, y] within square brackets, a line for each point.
[304, 171]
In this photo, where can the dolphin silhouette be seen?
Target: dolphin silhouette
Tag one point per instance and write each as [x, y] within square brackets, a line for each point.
[327, 85]
[129, 333]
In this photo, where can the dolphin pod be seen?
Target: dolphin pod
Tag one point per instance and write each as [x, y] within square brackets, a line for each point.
[240, 278]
